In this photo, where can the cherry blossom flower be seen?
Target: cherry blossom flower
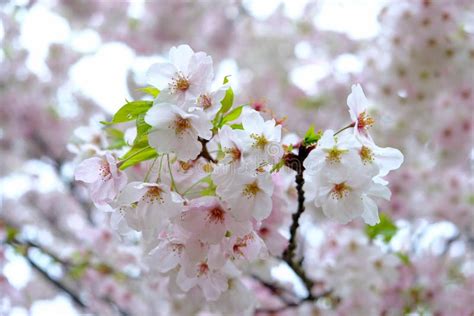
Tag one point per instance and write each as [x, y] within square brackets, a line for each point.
[357, 103]
[184, 77]
[208, 220]
[175, 131]
[148, 207]
[103, 177]
[210, 102]
[265, 136]
[248, 196]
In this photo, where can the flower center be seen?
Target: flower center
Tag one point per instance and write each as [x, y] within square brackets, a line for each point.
[334, 154]
[251, 189]
[366, 154]
[179, 83]
[364, 121]
[181, 125]
[241, 242]
[234, 152]
[260, 141]
[340, 190]
[104, 171]
[205, 101]
[216, 215]
[154, 195]
[177, 248]
[203, 269]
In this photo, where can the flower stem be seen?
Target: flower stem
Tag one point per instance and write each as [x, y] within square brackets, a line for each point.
[344, 128]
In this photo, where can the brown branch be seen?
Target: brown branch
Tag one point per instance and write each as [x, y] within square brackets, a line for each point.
[60, 286]
[295, 162]
[204, 152]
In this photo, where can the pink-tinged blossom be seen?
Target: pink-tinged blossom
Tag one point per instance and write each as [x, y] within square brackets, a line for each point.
[148, 207]
[208, 220]
[103, 177]
[184, 77]
[176, 131]
[357, 103]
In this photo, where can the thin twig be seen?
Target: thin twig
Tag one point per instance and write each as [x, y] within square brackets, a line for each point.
[204, 152]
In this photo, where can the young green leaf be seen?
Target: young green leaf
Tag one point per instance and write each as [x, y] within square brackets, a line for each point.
[150, 91]
[136, 155]
[386, 229]
[228, 101]
[311, 137]
[131, 110]
[232, 116]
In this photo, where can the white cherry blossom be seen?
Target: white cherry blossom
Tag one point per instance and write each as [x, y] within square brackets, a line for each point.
[176, 131]
[184, 77]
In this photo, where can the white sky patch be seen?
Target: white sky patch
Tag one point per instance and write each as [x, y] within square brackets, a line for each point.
[103, 76]
[86, 41]
[17, 271]
[60, 305]
[348, 63]
[356, 18]
[306, 77]
[39, 29]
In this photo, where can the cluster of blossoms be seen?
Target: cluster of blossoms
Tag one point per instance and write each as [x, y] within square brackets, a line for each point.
[211, 168]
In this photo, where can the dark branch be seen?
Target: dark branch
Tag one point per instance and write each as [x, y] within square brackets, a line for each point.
[296, 163]
[204, 152]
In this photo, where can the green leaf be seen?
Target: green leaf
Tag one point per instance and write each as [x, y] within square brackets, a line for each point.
[136, 155]
[404, 258]
[226, 79]
[237, 126]
[276, 167]
[11, 233]
[386, 229]
[232, 116]
[228, 101]
[131, 111]
[141, 140]
[150, 91]
[311, 137]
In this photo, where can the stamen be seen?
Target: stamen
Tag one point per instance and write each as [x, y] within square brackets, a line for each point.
[205, 101]
[364, 121]
[334, 154]
[251, 189]
[179, 83]
[216, 215]
[153, 195]
[366, 154]
[104, 170]
[340, 190]
[181, 125]
[260, 141]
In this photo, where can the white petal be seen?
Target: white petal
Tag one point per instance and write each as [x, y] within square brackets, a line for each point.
[202, 124]
[252, 121]
[388, 159]
[160, 75]
[379, 190]
[371, 214]
[161, 115]
[327, 140]
[88, 170]
[181, 56]
[357, 102]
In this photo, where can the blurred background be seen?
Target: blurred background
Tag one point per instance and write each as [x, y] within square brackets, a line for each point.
[66, 64]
